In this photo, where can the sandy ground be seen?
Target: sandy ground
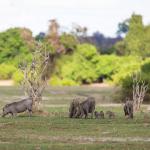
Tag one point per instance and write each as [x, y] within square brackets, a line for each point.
[6, 82]
[11, 83]
[88, 139]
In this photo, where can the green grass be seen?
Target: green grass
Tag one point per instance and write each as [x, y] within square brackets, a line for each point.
[54, 130]
[62, 95]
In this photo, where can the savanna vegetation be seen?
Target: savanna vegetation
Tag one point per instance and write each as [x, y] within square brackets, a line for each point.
[74, 61]
[53, 129]
[82, 59]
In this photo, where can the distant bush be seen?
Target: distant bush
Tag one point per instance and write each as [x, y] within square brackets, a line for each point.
[17, 77]
[145, 68]
[144, 76]
[105, 65]
[6, 71]
[86, 50]
[124, 67]
[76, 68]
[69, 42]
[12, 45]
[55, 81]
[85, 66]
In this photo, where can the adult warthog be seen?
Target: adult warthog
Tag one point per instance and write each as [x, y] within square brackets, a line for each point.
[74, 106]
[18, 107]
[78, 110]
[128, 109]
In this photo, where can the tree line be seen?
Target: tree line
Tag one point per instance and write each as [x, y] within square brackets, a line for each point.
[81, 59]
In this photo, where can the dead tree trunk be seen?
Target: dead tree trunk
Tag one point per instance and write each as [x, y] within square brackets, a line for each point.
[139, 90]
[37, 73]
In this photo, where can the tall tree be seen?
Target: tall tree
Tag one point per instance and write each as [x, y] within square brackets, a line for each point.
[137, 39]
[37, 72]
[135, 35]
[53, 37]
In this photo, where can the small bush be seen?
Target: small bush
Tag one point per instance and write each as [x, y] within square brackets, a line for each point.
[68, 82]
[105, 65]
[18, 77]
[124, 68]
[144, 76]
[6, 71]
[86, 50]
[55, 81]
[145, 68]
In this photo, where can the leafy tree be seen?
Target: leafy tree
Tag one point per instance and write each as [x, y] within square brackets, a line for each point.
[146, 42]
[77, 67]
[6, 71]
[12, 45]
[135, 36]
[127, 81]
[86, 50]
[120, 48]
[69, 41]
[137, 39]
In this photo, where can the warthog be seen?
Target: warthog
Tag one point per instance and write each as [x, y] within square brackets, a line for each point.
[110, 114]
[73, 110]
[128, 109]
[102, 114]
[97, 115]
[78, 110]
[85, 107]
[18, 107]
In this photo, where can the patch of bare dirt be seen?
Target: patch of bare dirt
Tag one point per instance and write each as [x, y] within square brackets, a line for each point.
[4, 125]
[100, 85]
[90, 140]
[6, 83]
[51, 114]
[42, 113]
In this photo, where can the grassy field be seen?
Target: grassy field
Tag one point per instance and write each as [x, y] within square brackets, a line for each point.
[53, 130]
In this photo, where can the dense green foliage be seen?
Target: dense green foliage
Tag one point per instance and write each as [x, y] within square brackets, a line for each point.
[81, 63]
[144, 73]
[6, 71]
[12, 46]
[68, 41]
[77, 67]
[137, 40]
[17, 77]
[84, 66]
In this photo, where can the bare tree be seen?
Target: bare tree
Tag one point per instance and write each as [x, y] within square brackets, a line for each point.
[139, 90]
[53, 36]
[37, 73]
[79, 30]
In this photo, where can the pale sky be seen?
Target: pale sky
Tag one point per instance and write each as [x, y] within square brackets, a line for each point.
[101, 15]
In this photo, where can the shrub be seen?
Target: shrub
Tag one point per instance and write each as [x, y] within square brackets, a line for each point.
[17, 77]
[12, 45]
[77, 66]
[105, 65]
[125, 66]
[145, 68]
[86, 50]
[69, 41]
[144, 75]
[55, 81]
[6, 71]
